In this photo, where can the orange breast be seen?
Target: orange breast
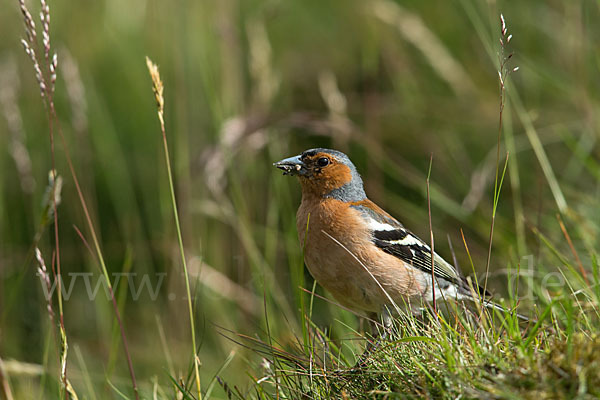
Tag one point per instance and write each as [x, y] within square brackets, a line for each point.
[341, 257]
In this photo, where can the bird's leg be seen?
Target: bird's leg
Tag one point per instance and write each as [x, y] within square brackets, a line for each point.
[388, 322]
[377, 335]
[373, 319]
[372, 342]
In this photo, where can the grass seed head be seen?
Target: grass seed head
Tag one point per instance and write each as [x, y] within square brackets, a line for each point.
[157, 85]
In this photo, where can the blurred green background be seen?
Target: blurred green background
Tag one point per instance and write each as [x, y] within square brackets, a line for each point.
[246, 84]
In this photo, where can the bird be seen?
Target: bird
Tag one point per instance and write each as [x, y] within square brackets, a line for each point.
[358, 252]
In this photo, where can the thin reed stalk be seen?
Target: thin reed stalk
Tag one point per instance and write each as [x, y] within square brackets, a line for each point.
[47, 80]
[503, 73]
[431, 238]
[157, 87]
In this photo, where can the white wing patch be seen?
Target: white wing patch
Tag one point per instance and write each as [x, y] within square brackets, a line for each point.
[408, 241]
[391, 237]
[378, 226]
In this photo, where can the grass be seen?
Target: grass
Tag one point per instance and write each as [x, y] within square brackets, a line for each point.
[247, 83]
[157, 87]
[450, 360]
[457, 354]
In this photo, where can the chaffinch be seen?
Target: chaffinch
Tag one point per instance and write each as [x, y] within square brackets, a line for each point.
[358, 252]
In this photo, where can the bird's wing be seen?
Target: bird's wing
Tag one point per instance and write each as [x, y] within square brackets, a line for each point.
[391, 237]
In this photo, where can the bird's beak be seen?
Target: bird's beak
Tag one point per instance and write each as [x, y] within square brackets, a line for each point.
[291, 166]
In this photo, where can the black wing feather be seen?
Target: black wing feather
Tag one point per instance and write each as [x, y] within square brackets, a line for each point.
[419, 256]
[403, 244]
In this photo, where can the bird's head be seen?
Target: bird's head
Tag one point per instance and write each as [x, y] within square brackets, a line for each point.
[325, 173]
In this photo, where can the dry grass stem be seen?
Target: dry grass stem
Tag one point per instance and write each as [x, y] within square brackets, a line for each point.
[47, 93]
[503, 73]
[415, 31]
[157, 88]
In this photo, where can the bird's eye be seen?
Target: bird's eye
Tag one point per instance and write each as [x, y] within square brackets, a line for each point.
[323, 162]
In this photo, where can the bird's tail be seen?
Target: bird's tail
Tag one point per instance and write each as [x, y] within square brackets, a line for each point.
[495, 306]
[465, 293]
[475, 293]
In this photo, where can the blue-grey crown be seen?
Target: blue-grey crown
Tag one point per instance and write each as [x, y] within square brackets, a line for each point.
[351, 191]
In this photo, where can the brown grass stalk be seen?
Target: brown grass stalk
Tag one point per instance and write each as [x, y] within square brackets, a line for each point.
[47, 80]
[572, 247]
